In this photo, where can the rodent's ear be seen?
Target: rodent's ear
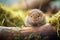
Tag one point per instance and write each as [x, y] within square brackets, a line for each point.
[41, 13]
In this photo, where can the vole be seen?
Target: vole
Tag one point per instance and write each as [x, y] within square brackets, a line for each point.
[35, 17]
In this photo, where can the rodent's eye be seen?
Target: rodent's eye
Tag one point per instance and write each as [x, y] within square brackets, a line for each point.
[31, 16]
[38, 16]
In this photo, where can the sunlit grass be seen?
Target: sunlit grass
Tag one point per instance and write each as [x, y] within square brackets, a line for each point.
[14, 16]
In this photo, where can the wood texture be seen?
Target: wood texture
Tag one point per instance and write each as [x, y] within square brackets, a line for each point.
[28, 33]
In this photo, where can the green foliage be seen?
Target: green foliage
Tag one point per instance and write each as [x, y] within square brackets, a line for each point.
[10, 17]
[32, 36]
[55, 20]
[2, 15]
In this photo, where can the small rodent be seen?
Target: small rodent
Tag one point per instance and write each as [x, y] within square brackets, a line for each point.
[35, 17]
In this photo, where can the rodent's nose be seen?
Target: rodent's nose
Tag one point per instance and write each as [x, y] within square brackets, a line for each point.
[34, 19]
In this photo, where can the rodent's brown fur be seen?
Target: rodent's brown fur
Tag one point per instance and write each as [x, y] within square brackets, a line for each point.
[35, 17]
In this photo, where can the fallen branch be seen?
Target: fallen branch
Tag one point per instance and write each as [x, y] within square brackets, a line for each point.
[28, 33]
